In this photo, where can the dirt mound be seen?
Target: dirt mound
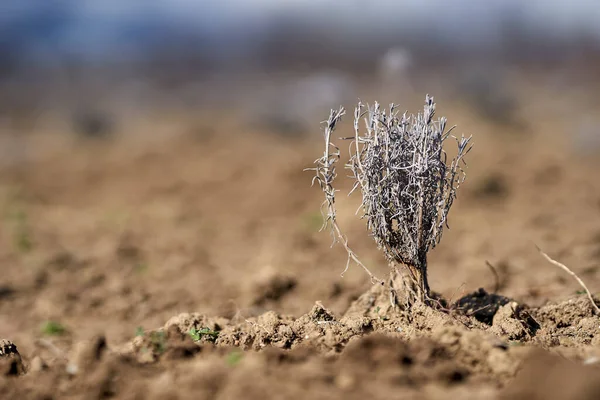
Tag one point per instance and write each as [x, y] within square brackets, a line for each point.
[366, 352]
[370, 350]
[544, 376]
[570, 323]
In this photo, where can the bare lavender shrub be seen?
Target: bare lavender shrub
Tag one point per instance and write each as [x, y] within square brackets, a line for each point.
[407, 185]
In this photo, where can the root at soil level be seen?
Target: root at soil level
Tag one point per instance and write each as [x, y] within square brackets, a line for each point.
[408, 286]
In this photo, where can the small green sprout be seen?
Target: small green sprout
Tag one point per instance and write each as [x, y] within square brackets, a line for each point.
[158, 341]
[141, 267]
[313, 221]
[198, 334]
[234, 358]
[21, 233]
[381, 317]
[53, 328]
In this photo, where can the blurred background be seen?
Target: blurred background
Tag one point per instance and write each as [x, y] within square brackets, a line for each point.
[152, 154]
[98, 63]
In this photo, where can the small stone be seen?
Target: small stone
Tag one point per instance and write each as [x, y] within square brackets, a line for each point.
[10, 359]
[482, 305]
[591, 360]
[505, 323]
[345, 381]
[38, 364]
[85, 354]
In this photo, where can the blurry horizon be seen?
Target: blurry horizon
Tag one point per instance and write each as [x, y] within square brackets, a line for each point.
[283, 63]
[100, 31]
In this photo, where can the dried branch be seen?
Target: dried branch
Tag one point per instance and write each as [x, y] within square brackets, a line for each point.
[568, 271]
[399, 165]
[496, 276]
[407, 188]
[325, 175]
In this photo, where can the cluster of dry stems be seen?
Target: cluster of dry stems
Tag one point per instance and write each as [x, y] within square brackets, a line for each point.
[407, 185]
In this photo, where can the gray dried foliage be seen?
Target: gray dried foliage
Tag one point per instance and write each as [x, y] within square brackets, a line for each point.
[407, 184]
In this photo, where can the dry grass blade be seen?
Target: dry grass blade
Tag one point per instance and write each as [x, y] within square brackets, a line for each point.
[496, 276]
[574, 275]
[47, 344]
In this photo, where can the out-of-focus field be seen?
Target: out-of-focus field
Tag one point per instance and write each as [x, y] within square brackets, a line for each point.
[209, 211]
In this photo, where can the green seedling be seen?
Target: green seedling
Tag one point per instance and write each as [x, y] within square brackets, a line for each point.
[234, 358]
[381, 317]
[208, 334]
[53, 328]
[21, 232]
[313, 221]
[158, 341]
[141, 267]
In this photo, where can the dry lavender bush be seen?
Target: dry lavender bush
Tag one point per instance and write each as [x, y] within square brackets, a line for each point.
[407, 185]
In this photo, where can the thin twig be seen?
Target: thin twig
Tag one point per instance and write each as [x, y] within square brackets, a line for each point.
[496, 276]
[574, 275]
[47, 344]
[325, 175]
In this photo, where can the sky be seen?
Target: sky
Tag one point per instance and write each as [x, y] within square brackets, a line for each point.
[119, 27]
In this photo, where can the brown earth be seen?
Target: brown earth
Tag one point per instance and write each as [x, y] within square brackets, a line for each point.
[188, 264]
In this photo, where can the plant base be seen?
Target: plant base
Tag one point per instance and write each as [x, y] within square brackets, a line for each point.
[408, 286]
